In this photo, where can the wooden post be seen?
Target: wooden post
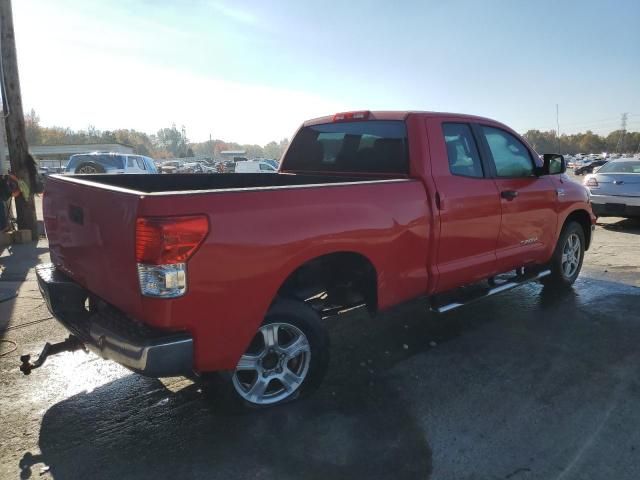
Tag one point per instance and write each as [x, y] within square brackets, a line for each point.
[14, 121]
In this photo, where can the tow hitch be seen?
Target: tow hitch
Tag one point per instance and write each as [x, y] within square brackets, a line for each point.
[71, 344]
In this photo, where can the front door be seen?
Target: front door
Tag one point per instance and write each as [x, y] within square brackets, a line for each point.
[468, 205]
[529, 219]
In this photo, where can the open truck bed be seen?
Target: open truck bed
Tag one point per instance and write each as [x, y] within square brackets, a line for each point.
[190, 183]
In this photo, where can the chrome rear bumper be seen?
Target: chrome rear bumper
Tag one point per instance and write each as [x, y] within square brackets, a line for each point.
[112, 335]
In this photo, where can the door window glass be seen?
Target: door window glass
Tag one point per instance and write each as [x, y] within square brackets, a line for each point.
[464, 159]
[510, 156]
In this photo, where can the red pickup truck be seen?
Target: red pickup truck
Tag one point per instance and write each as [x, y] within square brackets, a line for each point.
[234, 273]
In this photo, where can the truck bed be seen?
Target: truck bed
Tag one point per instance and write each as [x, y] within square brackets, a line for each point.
[262, 228]
[176, 183]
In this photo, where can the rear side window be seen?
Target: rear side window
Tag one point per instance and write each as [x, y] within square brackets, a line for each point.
[462, 151]
[375, 146]
[510, 156]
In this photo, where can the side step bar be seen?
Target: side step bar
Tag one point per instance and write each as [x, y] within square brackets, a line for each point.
[508, 285]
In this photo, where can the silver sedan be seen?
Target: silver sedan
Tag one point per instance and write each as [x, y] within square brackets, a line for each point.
[615, 188]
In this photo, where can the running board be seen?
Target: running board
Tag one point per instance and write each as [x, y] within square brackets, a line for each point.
[508, 285]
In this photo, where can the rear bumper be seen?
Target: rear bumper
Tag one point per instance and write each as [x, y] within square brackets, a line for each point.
[112, 335]
[615, 206]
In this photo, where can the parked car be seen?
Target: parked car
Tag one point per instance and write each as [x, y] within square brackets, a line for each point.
[225, 166]
[105, 162]
[207, 273]
[272, 162]
[589, 167]
[254, 167]
[192, 167]
[615, 189]
[170, 166]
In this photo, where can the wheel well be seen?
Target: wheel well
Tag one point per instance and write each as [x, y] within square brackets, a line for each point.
[584, 219]
[334, 282]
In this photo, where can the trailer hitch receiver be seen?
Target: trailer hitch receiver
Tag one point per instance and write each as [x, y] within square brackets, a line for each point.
[71, 344]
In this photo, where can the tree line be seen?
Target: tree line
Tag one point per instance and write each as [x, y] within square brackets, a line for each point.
[618, 141]
[172, 142]
[169, 142]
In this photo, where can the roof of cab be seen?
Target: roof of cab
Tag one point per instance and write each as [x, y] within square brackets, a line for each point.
[400, 115]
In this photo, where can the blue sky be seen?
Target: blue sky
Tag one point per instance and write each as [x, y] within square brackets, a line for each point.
[251, 71]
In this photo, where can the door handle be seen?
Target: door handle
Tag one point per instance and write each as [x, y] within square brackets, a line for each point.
[509, 194]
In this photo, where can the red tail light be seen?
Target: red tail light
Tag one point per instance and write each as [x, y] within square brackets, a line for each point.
[169, 240]
[592, 182]
[341, 117]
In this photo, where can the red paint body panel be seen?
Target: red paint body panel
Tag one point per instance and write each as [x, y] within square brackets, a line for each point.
[235, 275]
[259, 237]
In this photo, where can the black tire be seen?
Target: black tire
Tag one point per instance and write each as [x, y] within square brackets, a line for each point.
[233, 387]
[561, 276]
[89, 166]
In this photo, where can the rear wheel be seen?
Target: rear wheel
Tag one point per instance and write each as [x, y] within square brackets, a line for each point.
[287, 358]
[566, 262]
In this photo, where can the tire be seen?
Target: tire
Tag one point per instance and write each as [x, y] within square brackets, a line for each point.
[89, 168]
[268, 374]
[566, 262]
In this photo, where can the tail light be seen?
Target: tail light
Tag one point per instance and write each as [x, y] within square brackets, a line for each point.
[163, 248]
[591, 182]
[341, 117]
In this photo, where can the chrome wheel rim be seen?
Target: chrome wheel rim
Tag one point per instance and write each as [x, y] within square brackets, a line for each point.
[274, 366]
[87, 169]
[571, 255]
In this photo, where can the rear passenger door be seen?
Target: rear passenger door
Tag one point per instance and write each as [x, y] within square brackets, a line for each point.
[468, 204]
[529, 219]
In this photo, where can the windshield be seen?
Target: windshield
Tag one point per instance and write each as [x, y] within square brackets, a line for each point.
[107, 161]
[369, 146]
[627, 166]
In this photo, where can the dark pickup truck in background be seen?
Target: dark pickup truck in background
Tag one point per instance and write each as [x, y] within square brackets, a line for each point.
[175, 274]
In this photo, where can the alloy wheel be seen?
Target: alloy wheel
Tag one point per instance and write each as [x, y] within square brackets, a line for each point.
[275, 365]
[571, 255]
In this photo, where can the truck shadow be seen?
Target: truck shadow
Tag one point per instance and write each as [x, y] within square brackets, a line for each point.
[136, 428]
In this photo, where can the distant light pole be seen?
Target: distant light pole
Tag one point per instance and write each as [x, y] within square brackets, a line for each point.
[558, 127]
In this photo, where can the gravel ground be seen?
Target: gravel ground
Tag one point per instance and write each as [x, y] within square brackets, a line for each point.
[530, 384]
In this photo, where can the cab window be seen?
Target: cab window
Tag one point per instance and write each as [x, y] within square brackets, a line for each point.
[510, 156]
[462, 151]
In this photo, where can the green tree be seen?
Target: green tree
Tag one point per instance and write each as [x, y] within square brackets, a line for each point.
[173, 140]
[543, 142]
[32, 127]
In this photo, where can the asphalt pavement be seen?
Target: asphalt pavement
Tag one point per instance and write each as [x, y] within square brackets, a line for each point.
[531, 384]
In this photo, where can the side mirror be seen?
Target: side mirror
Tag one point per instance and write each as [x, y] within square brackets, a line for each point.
[553, 164]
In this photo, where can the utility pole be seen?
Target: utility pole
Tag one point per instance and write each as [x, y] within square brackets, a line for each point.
[623, 127]
[14, 119]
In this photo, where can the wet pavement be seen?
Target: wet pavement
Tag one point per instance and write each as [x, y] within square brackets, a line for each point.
[528, 384]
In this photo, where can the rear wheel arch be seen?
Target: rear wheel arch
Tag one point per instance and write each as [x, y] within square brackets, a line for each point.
[339, 278]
